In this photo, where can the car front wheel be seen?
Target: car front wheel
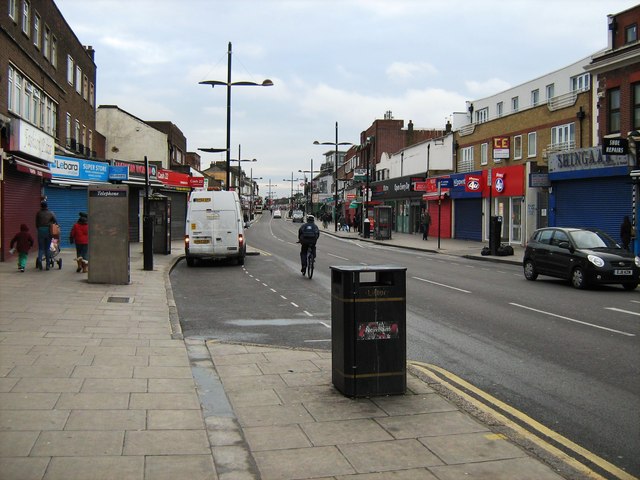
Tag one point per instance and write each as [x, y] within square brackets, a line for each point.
[530, 272]
[578, 279]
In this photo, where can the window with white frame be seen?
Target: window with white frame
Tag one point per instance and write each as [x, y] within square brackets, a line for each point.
[36, 30]
[563, 137]
[54, 51]
[532, 144]
[465, 162]
[482, 115]
[85, 87]
[517, 147]
[631, 33]
[26, 18]
[613, 110]
[29, 102]
[515, 103]
[551, 90]
[13, 9]
[78, 79]
[11, 99]
[69, 70]
[76, 133]
[535, 97]
[90, 142]
[91, 94]
[26, 101]
[580, 82]
[500, 109]
[68, 130]
[484, 153]
[84, 136]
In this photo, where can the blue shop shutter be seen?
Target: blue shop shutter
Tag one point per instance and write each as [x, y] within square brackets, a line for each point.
[66, 204]
[468, 219]
[594, 202]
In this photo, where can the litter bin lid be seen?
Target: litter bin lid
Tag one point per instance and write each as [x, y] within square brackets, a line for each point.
[367, 268]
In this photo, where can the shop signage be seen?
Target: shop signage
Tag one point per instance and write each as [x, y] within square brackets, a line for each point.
[30, 140]
[173, 179]
[360, 174]
[79, 169]
[615, 146]
[473, 183]
[118, 173]
[196, 182]
[137, 170]
[501, 147]
[585, 159]
[539, 180]
[445, 182]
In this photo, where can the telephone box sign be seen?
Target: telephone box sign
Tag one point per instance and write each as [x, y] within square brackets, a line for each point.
[501, 147]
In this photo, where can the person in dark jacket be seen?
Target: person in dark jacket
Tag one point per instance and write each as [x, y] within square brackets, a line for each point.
[308, 235]
[44, 219]
[22, 242]
[625, 232]
[80, 236]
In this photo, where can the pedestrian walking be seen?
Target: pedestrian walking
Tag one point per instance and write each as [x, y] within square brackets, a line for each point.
[625, 232]
[22, 243]
[426, 222]
[80, 236]
[45, 220]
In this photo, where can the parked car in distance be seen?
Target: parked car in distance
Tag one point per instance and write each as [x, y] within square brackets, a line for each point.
[583, 256]
[297, 216]
[277, 214]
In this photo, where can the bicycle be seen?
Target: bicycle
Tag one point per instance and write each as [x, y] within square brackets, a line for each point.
[311, 258]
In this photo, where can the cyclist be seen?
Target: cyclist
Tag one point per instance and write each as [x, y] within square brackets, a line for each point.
[308, 236]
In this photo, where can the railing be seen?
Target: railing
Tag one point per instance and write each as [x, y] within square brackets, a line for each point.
[563, 101]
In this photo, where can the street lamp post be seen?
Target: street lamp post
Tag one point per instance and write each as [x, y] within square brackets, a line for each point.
[310, 191]
[239, 160]
[229, 84]
[252, 194]
[292, 180]
[335, 169]
[270, 197]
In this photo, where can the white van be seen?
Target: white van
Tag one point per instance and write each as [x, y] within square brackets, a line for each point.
[214, 227]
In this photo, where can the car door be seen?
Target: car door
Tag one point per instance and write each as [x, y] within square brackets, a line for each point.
[560, 257]
[540, 250]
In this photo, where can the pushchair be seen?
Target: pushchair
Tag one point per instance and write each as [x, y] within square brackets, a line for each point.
[54, 248]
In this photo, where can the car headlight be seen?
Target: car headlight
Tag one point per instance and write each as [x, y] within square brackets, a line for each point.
[597, 261]
[637, 260]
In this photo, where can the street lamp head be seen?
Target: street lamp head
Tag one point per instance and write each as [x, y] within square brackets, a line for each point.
[213, 150]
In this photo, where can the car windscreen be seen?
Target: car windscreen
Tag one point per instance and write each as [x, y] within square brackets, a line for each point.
[589, 239]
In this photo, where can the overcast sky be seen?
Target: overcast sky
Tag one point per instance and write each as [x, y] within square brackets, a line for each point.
[348, 61]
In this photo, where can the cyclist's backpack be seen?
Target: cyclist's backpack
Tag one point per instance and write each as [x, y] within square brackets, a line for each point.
[309, 234]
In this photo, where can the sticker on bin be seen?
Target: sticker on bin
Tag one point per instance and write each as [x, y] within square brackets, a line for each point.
[377, 330]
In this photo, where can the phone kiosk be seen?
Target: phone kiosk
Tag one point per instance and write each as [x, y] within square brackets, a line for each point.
[160, 210]
[383, 222]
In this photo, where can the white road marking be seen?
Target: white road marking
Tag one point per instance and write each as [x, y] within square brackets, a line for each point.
[316, 341]
[326, 324]
[336, 256]
[283, 297]
[441, 284]
[573, 320]
[623, 311]
[297, 306]
[265, 284]
[308, 314]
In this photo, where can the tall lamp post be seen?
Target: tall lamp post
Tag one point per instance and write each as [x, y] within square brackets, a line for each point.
[270, 197]
[252, 194]
[335, 169]
[292, 180]
[229, 84]
[310, 196]
[216, 150]
[239, 179]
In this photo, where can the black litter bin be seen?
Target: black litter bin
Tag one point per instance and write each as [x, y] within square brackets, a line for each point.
[495, 234]
[368, 330]
[366, 233]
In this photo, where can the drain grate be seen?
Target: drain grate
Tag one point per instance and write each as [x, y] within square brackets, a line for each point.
[119, 299]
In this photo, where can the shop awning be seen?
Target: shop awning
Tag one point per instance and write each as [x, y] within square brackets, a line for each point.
[32, 168]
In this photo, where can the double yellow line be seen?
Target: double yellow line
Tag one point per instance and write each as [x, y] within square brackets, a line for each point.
[448, 379]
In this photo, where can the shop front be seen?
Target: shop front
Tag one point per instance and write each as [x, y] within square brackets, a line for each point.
[66, 192]
[137, 184]
[176, 186]
[466, 195]
[22, 171]
[504, 197]
[438, 203]
[405, 201]
[589, 189]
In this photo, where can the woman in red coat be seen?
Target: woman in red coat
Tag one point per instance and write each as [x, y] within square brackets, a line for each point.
[80, 236]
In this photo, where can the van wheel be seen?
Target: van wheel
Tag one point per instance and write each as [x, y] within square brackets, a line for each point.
[191, 261]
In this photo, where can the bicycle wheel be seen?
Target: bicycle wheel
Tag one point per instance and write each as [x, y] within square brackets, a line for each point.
[310, 261]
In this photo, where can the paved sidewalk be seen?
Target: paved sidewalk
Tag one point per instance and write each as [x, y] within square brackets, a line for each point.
[96, 382]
